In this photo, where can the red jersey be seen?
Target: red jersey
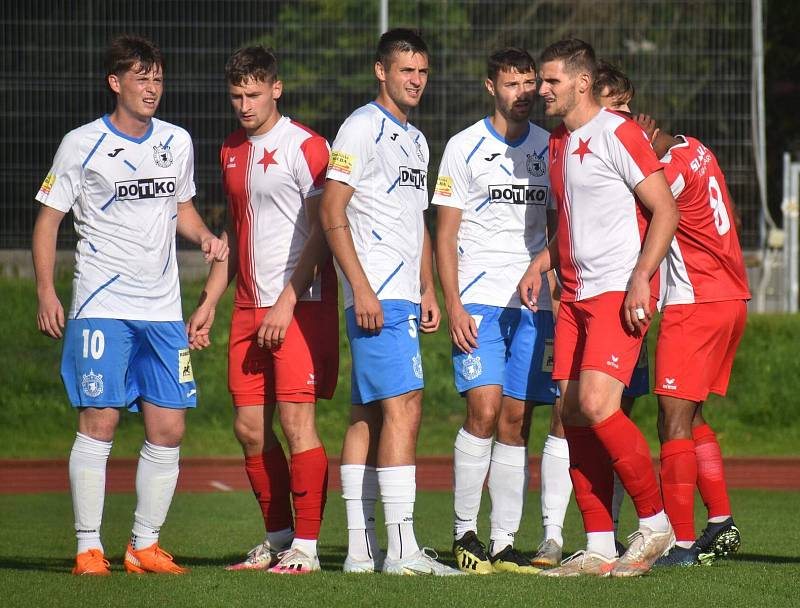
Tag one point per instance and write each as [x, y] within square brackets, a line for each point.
[704, 263]
[601, 224]
[267, 179]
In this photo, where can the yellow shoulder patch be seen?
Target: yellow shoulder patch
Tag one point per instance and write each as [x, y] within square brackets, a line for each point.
[444, 186]
[47, 184]
[341, 162]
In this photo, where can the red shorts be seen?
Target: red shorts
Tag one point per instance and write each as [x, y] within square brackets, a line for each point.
[591, 334]
[305, 368]
[696, 347]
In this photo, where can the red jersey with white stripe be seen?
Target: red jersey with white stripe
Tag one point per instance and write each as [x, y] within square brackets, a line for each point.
[267, 179]
[601, 225]
[705, 262]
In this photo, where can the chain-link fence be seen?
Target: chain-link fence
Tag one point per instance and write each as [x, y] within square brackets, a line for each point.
[690, 62]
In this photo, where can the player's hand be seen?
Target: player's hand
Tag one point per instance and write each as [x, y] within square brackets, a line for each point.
[636, 308]
[529, 287]
[214, 249]
[431, 313]
[463, 329]
[367, 310]
[273, 328]
[649, 125]
[198, 328]
[50, 316]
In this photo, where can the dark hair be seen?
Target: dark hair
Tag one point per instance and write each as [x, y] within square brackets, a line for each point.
[252, 63]
[577, 55]
[126, 51]
[399, 40]
[508, 59]
[612, 78]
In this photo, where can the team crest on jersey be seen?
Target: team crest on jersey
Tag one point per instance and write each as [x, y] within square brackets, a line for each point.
[420, 155]
[162, 156]
[416, 362]
[471, 367]
[92, 384]
[535, 165]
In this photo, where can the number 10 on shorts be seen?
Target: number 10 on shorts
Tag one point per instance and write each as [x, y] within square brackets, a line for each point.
[94, 342]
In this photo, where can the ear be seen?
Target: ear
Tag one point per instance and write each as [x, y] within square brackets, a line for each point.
[584, 83]
[380, 72]
[113, 83]
[277, 89]
[489, 86]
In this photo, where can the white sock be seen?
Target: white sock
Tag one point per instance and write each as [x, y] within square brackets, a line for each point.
[398, 487]
[657, 522]
[718, 519]
[556, 487]
[87, 482]
[156, 478]
[306, 545]
[616, 501]
[684, 544]
[508, 485]
[602, 543]
[360, 492]
[278, 539]
[471, 458]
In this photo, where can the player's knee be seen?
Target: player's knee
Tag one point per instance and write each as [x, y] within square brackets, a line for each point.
[481, 422]
[595, 407]
[250, 435]
[98, 424]
[167, 436]
[674, 426]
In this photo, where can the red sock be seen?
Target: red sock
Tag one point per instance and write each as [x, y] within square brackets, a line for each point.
[309, 491]
[592, 478]
[269, 478]
[678, 479]
[630, 457]
[710, 472]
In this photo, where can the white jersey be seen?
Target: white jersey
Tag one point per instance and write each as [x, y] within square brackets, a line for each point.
[124, 194]
[503, 189]
[387, 164]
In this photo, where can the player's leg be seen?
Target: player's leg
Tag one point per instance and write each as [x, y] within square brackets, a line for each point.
[160, 375]
[93, 367]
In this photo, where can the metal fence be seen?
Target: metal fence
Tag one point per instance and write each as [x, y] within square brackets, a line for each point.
[690, 61]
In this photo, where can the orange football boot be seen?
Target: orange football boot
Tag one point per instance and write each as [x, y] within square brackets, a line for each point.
[151, 559]
[91, 563]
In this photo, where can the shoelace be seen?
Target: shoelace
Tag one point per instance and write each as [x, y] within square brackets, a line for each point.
[430, 552]
[258, 551]
[476, 547]
[635, 551]
[578, 554]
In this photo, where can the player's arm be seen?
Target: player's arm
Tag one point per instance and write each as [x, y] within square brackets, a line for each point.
[315, 252]
[431, 315]
[50, 314]
[463, 331]
[333, 218]
[192, 227]
[655, 195]
[531, 282]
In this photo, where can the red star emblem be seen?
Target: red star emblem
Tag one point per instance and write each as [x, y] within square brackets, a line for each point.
[269, 159]
[583, 148]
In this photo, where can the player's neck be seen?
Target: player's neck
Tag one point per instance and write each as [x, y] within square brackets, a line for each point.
[664, 142]
[511, 130]
[581, 114]
[396, 110]
[265, 127]
[129, 124]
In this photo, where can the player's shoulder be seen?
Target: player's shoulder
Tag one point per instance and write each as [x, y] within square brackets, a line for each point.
[235, 139]
[304, 137]
[537, 135]
[679, 153]
[364, 116]
[170, 135]
[88, 132]
[300, 130]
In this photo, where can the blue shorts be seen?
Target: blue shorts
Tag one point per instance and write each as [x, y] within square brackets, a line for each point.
[640, 380]
[515, 350]
[117, 363]
[389, 363]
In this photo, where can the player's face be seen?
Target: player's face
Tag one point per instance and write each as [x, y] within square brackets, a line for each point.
[613, 102]
[514, 93]
[255, 103]
[404, 78]
[558, 89]
[138, 92]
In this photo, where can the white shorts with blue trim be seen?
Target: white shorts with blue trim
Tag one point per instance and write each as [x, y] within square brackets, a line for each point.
[389, 363]
[118, 363]
[515, 351]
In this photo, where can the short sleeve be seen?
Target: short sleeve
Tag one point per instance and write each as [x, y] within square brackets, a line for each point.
[352, 150]
[62, 185]
[675, 178]
[311, 165]
[452, 183]
[186, 188]
[631, 154]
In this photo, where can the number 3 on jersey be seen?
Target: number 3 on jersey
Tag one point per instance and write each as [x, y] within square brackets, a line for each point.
[721, 219]
[96, 343]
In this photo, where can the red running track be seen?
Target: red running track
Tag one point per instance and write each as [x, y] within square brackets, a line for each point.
[433, 473]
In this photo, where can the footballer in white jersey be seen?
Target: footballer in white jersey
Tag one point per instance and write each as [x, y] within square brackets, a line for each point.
[372, 214]
[493, 197]
[128, 179]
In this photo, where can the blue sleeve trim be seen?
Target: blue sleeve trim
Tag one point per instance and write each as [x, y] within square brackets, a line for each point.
[475, 149]
[95, 292]
[96, 145]
[383, 124]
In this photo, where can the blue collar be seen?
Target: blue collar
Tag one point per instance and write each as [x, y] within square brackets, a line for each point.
[512, 144]
[390, 115]
[118, 133]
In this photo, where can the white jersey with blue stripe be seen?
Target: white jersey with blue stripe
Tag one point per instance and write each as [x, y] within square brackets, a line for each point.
[503, 190]
[386, 162]
[124, 194]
